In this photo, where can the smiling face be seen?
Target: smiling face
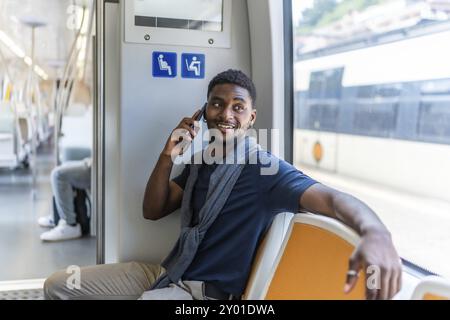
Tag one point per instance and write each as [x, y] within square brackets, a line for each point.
[230, 110]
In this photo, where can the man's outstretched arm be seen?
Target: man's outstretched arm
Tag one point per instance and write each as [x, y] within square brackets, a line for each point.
[376, 247]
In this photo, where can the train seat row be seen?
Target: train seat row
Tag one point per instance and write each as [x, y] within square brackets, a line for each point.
[77, 129]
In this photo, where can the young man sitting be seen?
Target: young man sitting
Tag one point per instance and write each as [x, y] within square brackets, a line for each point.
[226, 207]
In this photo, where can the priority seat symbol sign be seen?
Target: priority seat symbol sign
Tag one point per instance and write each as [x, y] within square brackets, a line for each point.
[164, 64]
[193, 65]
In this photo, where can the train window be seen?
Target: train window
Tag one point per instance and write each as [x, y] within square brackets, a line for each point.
[375, 119]
[388, 91]
[381, 118]
[326, 84]
[379, 91]
[324, 90]
[434, 121]
[323, 116]
[434, 111]
[365, 92]
[376, 109]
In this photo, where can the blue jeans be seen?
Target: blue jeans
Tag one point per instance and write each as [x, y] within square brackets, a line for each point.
[75, 174]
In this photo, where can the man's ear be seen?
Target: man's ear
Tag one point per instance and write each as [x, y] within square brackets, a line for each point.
[254, 112]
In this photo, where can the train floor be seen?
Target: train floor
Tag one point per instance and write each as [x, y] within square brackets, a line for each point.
[419, 225]
[22, 254]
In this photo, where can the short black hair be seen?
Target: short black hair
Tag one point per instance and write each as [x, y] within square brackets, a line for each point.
[236, 77]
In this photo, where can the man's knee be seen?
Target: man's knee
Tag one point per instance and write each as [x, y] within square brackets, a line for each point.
[57, 174]
[54, 286]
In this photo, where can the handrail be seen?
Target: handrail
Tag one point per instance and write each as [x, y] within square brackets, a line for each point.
[13, 105]
[68, 80]
[63, 85]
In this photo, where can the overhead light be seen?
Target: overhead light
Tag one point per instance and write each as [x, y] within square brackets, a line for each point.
[8, 42]
[41, 73]
[11, 45]
[28, 60]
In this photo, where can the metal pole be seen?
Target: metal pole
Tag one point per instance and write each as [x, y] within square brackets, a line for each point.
[33, 121]
[63, 89]
[88, 38]
[98, 150]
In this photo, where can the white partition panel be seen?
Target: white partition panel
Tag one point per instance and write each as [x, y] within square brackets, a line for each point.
[139, 115]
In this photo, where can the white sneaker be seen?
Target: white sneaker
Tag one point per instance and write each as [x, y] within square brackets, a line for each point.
[62, 231]
[46, 222]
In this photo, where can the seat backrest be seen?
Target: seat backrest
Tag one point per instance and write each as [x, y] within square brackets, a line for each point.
[432, 288]
[76, 144]
[6, 117]
[313, 261]
[266, 255]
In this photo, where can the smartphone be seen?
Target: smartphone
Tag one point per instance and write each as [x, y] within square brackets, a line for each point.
[202, 113]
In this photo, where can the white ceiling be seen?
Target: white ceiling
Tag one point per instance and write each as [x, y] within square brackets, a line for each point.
[53, 42]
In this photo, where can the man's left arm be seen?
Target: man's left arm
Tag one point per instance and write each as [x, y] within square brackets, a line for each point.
[376, 247]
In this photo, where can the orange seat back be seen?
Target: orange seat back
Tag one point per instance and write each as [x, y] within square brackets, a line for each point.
[313, 263]
[266, 255]
[432, 288]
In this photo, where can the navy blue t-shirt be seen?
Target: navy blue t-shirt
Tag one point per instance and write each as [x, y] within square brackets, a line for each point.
[225, 254]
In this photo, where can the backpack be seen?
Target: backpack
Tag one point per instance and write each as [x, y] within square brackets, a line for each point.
[81, 205]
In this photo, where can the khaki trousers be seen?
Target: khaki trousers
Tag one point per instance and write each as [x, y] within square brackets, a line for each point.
[119, 281]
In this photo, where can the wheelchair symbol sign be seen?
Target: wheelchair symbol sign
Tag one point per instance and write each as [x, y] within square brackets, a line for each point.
[164, 64]
[193, 66]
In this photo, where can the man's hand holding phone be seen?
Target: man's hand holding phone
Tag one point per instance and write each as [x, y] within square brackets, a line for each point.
[182, 136]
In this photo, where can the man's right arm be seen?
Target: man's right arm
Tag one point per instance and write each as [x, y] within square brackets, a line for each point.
[163, 196]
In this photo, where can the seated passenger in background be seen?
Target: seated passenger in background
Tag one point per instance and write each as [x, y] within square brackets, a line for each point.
[64, 178]
[226, 209]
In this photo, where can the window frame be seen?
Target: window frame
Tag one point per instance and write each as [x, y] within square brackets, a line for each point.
[288, 36]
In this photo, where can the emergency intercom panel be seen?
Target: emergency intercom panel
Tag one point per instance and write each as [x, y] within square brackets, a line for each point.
[201, 23]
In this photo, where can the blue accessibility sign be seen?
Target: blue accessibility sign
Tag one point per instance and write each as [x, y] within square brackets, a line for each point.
[164, 64]
[193, 65]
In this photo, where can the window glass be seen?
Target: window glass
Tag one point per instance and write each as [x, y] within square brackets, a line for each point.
[372, 92]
